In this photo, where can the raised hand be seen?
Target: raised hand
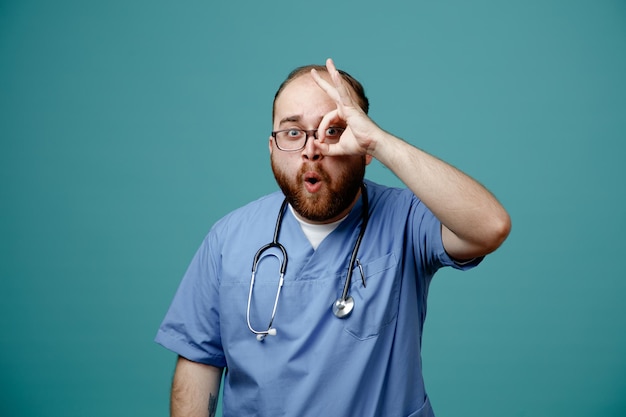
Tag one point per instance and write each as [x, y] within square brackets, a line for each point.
[357, 139]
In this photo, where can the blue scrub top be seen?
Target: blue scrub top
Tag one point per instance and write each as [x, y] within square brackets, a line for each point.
[368, 364]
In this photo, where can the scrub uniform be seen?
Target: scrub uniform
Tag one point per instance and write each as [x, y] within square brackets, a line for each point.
[368, 364]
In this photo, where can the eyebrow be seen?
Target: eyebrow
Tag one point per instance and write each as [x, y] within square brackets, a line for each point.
[290, 119]
[295, 119]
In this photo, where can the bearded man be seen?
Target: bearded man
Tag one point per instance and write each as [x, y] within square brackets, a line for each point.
[330, 320]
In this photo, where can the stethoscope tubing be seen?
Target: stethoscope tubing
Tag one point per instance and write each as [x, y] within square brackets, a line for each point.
[353, 258]
[283, 267]
[343, 306]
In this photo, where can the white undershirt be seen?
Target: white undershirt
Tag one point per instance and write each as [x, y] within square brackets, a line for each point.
[316, 232]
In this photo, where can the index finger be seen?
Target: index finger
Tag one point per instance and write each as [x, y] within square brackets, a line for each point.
[332, 92]
[340, 85]
[338, 90]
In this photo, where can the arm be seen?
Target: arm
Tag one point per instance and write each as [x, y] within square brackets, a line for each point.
[195, 389]
[473, 222]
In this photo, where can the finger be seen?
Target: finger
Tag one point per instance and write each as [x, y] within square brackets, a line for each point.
[324, 85]
[332, 150]
[324, 148]
[338, 90]
[334, 74]
[340, 85]
[329, 149]
[330, 63]
[329, 118]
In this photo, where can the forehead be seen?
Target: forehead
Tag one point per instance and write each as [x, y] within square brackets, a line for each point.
[303, 98]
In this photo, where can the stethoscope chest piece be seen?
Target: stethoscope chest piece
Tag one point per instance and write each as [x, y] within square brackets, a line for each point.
[343, 308]
[344, 305]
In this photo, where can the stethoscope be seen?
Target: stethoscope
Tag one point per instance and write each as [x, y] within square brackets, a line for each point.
[343, 306]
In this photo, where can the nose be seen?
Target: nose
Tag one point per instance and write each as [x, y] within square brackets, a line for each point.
[311, 151]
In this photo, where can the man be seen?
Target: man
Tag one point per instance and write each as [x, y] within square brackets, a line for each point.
[345, 323]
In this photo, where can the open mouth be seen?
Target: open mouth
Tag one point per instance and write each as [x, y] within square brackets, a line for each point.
[312, 181]
[312, 177]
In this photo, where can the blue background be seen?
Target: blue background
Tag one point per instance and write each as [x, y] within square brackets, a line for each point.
[128, 127]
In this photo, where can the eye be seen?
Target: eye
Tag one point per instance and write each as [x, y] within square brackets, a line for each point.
[334, 132]
[294, 133]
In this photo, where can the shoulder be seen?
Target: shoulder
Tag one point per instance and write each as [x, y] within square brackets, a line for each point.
[255, 211]
[399, 209]
[385, 198]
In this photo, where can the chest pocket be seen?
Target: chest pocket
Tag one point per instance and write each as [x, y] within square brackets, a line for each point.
[376, 303]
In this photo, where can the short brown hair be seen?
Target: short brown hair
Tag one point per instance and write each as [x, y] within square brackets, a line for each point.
[356, 86]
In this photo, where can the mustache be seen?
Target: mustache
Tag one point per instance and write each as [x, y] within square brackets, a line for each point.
[306, 168]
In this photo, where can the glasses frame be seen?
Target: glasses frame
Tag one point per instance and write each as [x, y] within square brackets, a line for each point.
[308, 133]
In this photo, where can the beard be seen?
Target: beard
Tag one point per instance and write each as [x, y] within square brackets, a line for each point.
[336, 195]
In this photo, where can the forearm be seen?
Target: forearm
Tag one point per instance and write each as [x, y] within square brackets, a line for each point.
[473, 222]
[464, 207]
[195, 389]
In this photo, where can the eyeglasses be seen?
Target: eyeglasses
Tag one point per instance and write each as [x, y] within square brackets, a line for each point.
[291, 140]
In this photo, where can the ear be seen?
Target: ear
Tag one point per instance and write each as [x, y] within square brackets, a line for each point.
[269, 144]
[368, 159]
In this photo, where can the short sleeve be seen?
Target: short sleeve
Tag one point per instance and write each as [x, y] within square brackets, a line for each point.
[191, 326]
[428, 243]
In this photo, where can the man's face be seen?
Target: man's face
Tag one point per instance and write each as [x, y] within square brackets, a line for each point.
[320, 188]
